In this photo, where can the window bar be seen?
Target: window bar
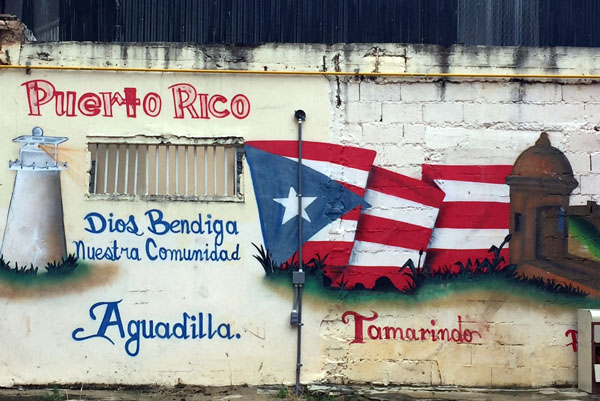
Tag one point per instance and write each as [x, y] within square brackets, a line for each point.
[167, 180]
[126, 189]
[116, 170]
[215, 170]
[226, 153]
[156, 170]
[187, 165]
[176, 170]
[135, 174]
[195, 171]
[205, 170]
[147, 169]
[235, 169]
[96, 170]
[106, 170]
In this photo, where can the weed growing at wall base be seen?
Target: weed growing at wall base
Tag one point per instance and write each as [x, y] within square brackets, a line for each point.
[54, 395]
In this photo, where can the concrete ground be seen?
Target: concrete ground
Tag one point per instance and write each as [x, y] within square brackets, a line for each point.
[271, 393]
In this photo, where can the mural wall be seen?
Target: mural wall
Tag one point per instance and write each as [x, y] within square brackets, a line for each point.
[150, 220]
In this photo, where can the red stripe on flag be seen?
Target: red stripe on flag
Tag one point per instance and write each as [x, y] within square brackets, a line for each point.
[337, 252]
[473, 215]
[360, 191]
[358, 158]
[492, 174]
[401, 186]
[442, 260]
[392, 232]
[352, 214]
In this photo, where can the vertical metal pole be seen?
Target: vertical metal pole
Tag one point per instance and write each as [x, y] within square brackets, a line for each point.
[298, 277]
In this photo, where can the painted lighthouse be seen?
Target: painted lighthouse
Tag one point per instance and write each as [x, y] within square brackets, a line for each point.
[34, 232]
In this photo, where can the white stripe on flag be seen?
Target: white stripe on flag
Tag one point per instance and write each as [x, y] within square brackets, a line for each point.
[466, 238]
[337, 230]
[395, 208]
[371, 254]
[467, 191]
[337, 172]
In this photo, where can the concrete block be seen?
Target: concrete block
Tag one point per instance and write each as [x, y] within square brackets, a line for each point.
[472, 156]
[592, 113]
[415, 372]
[541, 93]
[590, 184]
[443, 112]
[402, 112]
[370, 91]
[493, 355]
[420, 92]
[513, 376]
[595, 162]
[363, 112]
[365, 370]
[402, 155]
[486, 92]
[581, 93]
[552, 113]
[348, 134]
[578, 199]
[382, 133]
[415, 133]
[492, 113]
[470, 376]
[511, 334]
[580, 162]
[352, 91]
[554, 356]
[581, 141]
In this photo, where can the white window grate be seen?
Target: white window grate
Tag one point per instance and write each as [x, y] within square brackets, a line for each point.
[204, 169]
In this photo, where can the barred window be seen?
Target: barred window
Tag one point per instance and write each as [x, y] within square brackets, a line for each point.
[166, 168]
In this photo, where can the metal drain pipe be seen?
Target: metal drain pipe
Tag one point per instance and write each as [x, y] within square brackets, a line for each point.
[298, 277]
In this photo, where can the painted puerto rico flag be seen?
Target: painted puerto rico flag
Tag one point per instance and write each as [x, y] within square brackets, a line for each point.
[474, 216]
[397, 227]
[334, 178]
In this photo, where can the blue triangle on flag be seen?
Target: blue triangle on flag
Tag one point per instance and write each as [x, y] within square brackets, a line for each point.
[275, 181]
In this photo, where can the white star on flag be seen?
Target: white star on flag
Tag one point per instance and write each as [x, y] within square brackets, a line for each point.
[290, 204]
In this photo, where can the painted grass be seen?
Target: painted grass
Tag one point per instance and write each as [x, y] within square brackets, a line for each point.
[586, 233]
[438, 288]
[57, 273]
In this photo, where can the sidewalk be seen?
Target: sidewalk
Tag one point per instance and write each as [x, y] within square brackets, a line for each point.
[313, 393]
